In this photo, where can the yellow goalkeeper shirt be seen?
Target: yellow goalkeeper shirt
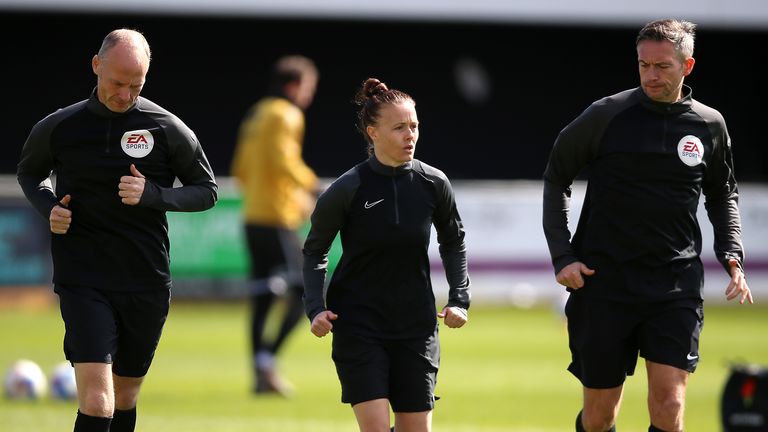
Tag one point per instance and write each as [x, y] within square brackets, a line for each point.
[276, 185]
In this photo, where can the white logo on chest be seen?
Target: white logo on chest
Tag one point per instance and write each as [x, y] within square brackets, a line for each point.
[690, 150]
[137, 143]
[368, 205]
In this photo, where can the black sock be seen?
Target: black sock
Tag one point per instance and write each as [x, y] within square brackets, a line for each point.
[124, 420]
[653, 428]
[579, 426]
[86, 423]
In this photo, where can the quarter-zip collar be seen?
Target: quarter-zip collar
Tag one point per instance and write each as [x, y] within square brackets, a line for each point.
[95, 105]
[678, 107]
[380, 168]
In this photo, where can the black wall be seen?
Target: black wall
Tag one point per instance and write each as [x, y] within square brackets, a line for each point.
[209, 71]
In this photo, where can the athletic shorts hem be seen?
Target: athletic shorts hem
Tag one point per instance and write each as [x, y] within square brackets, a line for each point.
[597, 385]
[690, 368]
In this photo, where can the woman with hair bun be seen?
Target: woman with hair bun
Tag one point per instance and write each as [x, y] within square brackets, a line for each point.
[380, 305]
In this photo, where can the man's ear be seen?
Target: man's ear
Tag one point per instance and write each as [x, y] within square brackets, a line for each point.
[688, 66]
[95, 63]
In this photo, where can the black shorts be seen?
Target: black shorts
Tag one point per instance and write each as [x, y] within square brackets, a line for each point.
[122, 328]
[274, 253]
[605, 337]
[402, 371]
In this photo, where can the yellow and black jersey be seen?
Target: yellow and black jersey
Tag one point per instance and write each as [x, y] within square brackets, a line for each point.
[276, 185]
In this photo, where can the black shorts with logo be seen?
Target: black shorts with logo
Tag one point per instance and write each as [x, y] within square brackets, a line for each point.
[122, 328]
[404, 371]
[605, 337]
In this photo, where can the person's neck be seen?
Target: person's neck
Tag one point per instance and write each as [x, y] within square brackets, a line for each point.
[388, 162]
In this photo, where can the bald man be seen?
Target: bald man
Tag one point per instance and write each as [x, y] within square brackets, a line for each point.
[115, 157]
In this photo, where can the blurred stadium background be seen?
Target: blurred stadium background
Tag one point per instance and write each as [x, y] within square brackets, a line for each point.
[494, 80]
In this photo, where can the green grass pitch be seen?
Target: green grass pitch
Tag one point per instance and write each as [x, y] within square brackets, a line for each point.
[504, 371]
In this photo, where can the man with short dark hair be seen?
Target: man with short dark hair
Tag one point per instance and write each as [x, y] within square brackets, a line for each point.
[633, 267]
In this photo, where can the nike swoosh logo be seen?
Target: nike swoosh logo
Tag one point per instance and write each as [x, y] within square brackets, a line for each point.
[691, 357]
[368, 205]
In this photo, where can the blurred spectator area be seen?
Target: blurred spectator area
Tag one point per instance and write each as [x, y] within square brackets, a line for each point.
[494, 81]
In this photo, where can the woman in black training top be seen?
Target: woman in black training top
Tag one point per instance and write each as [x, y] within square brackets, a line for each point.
[380, 304]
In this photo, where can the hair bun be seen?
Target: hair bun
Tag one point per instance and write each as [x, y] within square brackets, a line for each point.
[374, 87]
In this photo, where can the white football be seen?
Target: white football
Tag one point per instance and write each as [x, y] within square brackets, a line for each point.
[63, 385]
[25, 380]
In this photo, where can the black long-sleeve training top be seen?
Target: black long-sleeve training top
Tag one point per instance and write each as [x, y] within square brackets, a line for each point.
[381, 286]
[646, 165]
[87, 147]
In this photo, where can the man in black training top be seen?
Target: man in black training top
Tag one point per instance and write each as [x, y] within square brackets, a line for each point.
[633, 267]
[115, 157]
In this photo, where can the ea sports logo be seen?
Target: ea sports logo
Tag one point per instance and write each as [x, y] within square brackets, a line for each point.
[690, 150]
[137, 143]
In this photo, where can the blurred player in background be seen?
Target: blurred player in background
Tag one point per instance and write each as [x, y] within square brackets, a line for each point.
[633, 267]
[380, 304]
[115, 157]
[279, 191]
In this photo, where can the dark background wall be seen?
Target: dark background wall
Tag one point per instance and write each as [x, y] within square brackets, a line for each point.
[209, 71]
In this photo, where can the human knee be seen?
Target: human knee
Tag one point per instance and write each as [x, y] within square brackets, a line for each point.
[669, 405]
[372, 425]
[413, 422]
[601, 406]
[667, 415]
[126, 392]
[372, 415]
[97, 403]
[126, 399]
[597, 421]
